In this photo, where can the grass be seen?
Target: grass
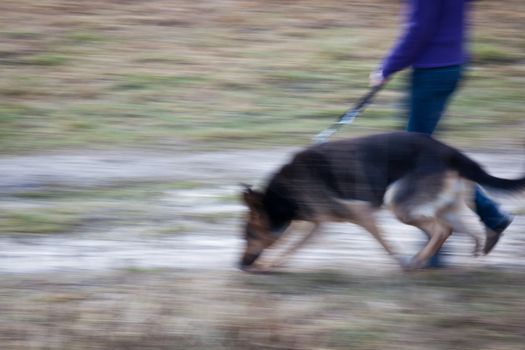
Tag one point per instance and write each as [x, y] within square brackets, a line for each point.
[156, 309]
[239, 76]
[61, 209]
[121, 190]
[45, 59]
[38, 222]
[485, 53]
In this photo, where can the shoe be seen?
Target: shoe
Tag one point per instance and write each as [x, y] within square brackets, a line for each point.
[494, 234]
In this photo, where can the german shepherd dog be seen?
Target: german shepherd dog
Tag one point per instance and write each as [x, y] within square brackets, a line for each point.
[422, 181]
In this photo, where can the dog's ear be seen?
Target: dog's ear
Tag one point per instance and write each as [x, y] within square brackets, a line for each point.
[252, 198]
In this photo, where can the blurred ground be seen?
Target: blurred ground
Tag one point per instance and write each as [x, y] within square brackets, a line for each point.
[125, 127]
[150, 210]
[313, 309]
[147, 260]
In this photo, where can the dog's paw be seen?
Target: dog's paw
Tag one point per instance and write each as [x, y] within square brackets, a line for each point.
[257, 269]
[406, 263]
[270, 265]
[411, 263]
[265, 266]
[478, 249]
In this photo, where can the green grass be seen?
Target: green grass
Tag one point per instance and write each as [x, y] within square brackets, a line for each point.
[245, 78]
[62, 209]
[121, 190]
[154, 82]
[47, 221]
[485, 53]
[46, 59]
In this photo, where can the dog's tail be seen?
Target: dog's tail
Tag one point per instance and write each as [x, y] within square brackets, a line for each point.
[471, 170]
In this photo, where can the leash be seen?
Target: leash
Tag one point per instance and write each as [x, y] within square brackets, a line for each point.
[348, 117]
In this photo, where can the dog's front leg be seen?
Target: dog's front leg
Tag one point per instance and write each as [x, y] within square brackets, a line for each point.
[281, 258]
[363, 216]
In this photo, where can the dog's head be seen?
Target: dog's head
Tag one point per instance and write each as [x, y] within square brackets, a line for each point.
[257, 232]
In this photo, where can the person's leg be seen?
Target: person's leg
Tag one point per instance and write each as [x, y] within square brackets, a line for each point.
[430, 90]
[486, 208]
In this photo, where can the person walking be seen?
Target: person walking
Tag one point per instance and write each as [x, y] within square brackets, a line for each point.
[433, 44]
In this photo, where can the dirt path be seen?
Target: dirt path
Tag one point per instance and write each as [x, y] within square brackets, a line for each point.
[211, 244]
[101, 168]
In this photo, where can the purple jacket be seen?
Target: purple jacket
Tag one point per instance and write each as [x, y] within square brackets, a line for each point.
[434, 36]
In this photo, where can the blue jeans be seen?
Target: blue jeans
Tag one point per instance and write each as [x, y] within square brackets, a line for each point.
[430, 91]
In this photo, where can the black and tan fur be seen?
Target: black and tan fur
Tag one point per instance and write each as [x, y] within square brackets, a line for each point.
[421, 180]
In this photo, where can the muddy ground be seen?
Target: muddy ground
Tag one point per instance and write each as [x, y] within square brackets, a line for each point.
[206, 212]
[163, 275]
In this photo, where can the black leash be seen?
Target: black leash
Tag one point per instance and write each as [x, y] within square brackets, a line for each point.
[349, 116]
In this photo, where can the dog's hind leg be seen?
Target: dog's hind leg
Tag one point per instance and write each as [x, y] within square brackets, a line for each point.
[455, 218]
[419, 201]
[438, 234]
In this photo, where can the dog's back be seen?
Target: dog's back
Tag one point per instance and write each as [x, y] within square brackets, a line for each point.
[363, 168]
[359, 169]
